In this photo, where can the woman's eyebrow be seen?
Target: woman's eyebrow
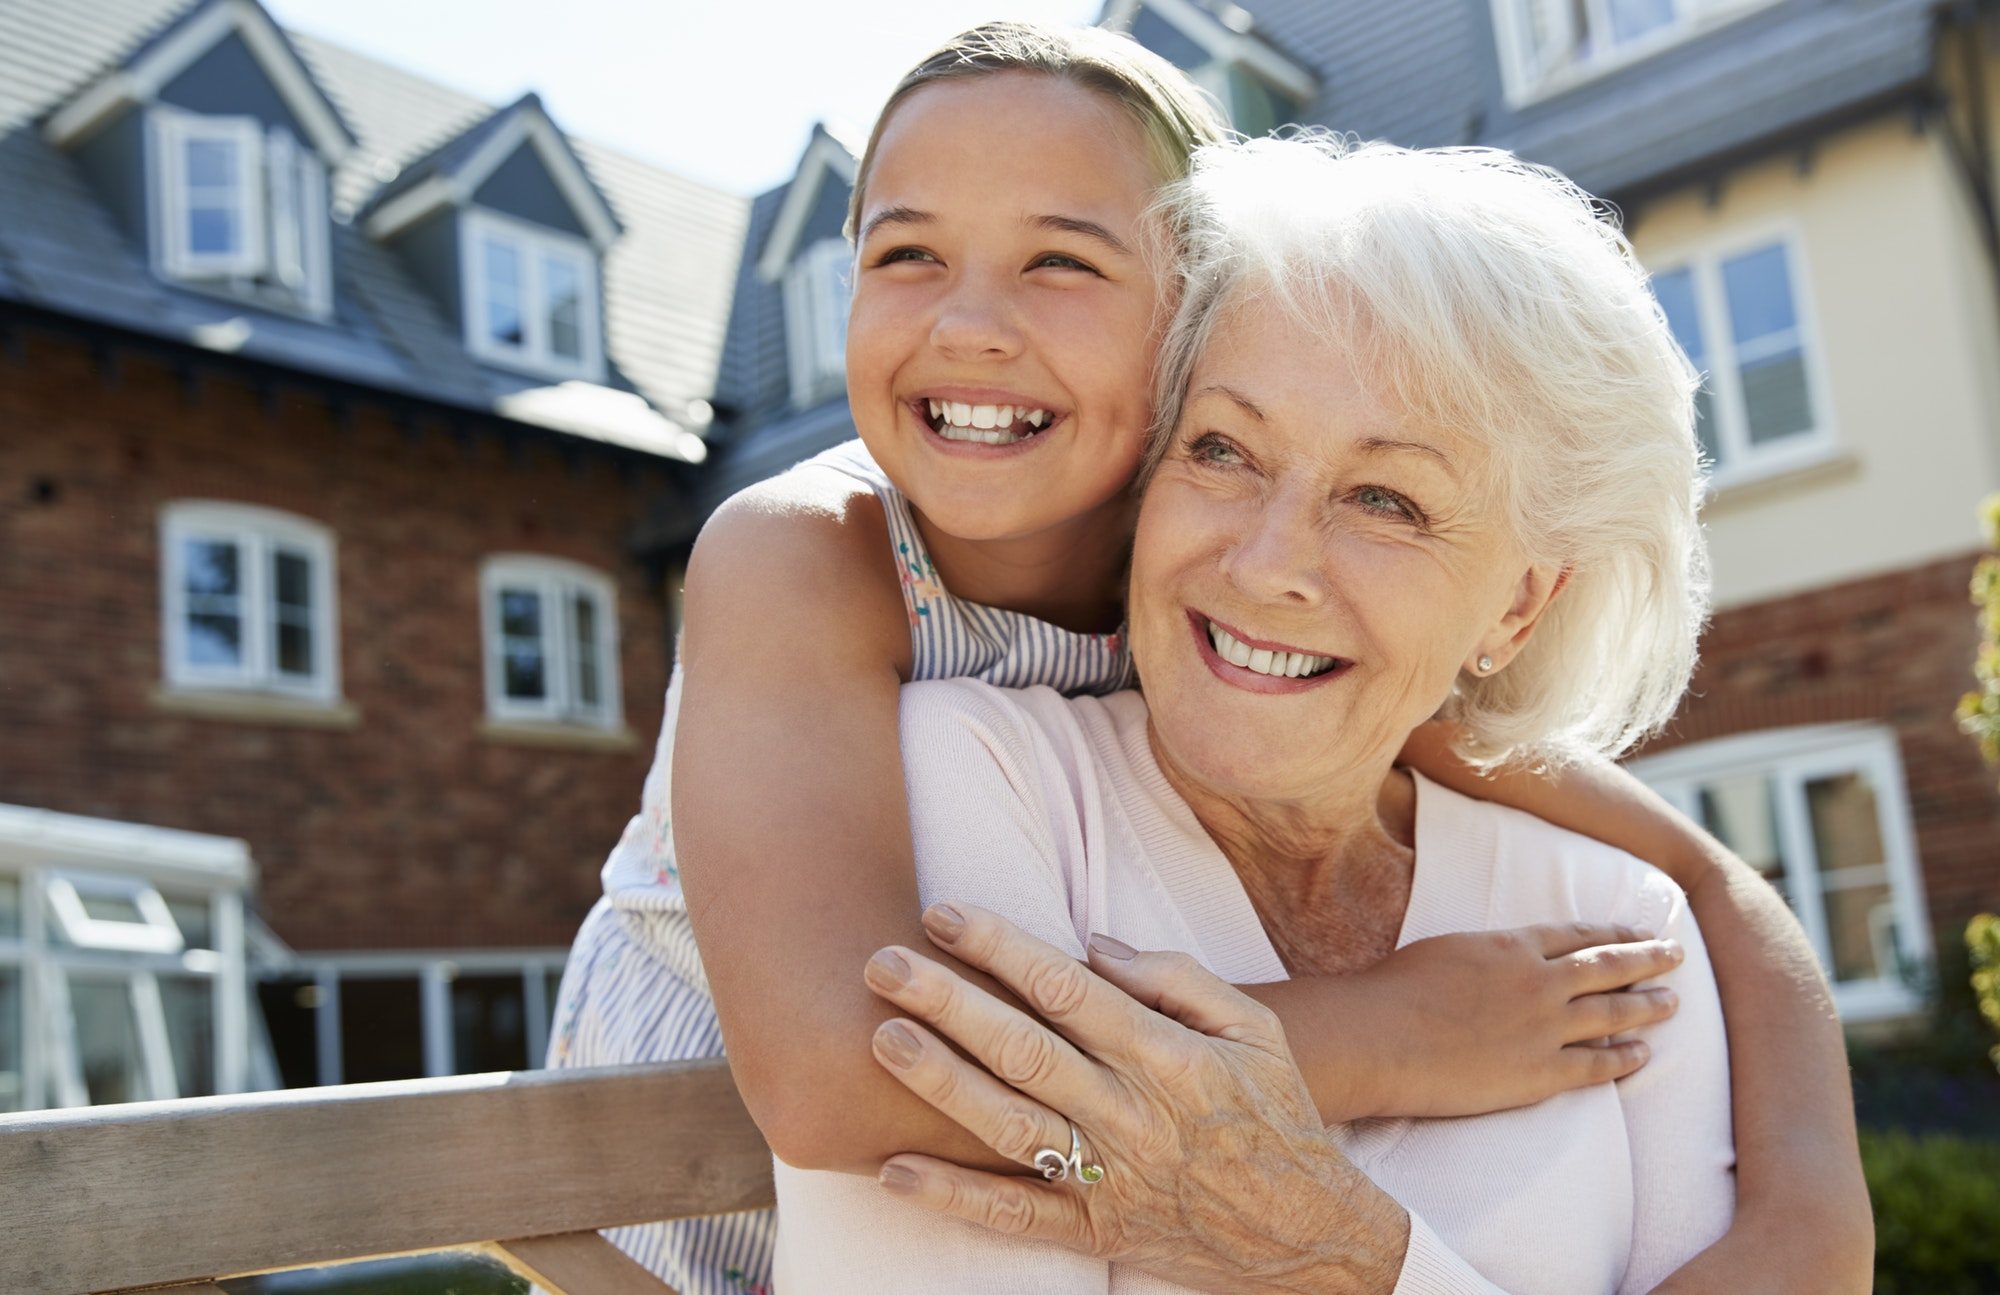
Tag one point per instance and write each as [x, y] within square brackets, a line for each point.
[1086, 228]
[1380, 444]
[896, 216]
[1232, 395]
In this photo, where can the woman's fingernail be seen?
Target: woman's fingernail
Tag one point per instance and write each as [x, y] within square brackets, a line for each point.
[888, 969]
[897, 1045]
[1675, 951]
[897, 1179]
[1117, 950]
[1668, 998]
[944, 921]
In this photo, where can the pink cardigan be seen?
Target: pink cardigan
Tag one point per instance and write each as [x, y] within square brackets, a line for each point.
[1053, 812]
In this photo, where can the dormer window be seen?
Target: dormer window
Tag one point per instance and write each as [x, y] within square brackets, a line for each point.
[530, 297]
[240, 209]
[819, 285]
[1549, 44]
[1254, 105]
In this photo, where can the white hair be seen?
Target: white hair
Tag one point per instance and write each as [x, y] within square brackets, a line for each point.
[1494, 299]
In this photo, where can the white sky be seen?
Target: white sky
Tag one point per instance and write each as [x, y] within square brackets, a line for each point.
[721, 91]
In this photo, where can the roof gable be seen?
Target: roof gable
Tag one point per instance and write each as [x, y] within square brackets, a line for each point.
[454, 173]
[229, 29]
[824, 155]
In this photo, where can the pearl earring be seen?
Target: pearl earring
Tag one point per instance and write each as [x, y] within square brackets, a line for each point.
[1486, 665]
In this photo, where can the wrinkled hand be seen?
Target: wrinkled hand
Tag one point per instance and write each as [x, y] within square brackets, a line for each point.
[1218, 1171]
[1489, 1020]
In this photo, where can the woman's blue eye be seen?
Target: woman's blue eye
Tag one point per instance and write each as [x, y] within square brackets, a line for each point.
[1212, 449]
[1379, 500]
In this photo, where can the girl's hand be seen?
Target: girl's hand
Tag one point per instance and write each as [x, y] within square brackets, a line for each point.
[1488, 1020]
[1216, 1168]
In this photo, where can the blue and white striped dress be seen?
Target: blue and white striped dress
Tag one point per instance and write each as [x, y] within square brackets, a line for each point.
[634, 989]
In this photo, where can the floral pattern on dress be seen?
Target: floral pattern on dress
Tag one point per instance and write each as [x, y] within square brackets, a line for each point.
[920, 582]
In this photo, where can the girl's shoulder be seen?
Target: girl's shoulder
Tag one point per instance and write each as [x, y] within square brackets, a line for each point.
[808, 548]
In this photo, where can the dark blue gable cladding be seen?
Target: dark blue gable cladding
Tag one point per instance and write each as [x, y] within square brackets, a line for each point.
[229, 81]
[521, 186]
[1168, 41]
[828, 215]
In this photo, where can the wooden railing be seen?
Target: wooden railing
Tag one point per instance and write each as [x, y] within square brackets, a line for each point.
[189, 1192]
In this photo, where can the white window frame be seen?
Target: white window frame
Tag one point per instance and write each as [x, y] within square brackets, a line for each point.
[1737, 460]
[51, 856]
[816, 312]
[258, 533]
[556, 581]
[434, 971]
[285, 256]
[1790, 758]
[1525, 82]
[531, 243]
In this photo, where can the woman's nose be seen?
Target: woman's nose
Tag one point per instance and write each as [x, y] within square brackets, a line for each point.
[1280, 553]
[976, 322]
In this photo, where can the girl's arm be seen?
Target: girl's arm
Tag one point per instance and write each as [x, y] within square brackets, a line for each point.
[791, 834]
[1803, 1219]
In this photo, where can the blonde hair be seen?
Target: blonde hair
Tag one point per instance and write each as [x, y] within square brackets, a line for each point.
[1172, 114]
[1490, 298]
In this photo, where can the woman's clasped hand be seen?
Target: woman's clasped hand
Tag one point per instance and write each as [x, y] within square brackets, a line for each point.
[1217, 1170]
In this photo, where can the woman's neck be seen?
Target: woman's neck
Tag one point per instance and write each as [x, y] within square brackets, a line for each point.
[1329, 877]
[1071, 575]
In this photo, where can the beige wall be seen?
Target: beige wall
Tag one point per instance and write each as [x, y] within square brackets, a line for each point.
[1900, 307]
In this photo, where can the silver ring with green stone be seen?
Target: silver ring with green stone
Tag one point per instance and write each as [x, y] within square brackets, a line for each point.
[1056, 1167]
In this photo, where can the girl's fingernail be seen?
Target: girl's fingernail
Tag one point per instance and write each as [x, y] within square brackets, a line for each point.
[897, 1179]
[896, 1044]
[1117, 950]
[944, 921]
[888, 969]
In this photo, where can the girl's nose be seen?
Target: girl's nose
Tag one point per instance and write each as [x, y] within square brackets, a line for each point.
[976, 322]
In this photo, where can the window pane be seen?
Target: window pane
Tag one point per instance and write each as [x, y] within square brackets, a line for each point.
[111, 908]
[503, 293]
[1742, 814]
[211, 568]
[489, 1024]
[1759, 288]
[13, 1093]
[381, 1028]
[189, 1003]
[1631, 19]
[295, 655]
[1775, 397]
[215, 640]
[1861, 927]
[10, 908]
[107, 1040]
[522, 665]
[291, 1006]
[211, 163]
[212, 230]
[1675, 292]
[583, 610]
[1846, 822]
[195, 919]
[565, 303]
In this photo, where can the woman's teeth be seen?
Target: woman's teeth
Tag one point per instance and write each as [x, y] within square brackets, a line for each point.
[1282, 665]
[988, 424]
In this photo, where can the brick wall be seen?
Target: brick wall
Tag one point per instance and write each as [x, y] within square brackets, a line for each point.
[409, 829]
[1894, 649]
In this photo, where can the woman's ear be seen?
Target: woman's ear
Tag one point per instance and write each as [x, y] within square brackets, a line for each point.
[1533, 595]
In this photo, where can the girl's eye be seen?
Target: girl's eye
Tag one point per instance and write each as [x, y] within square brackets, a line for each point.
[1381, 500]
[895, 254]
[1056, 260]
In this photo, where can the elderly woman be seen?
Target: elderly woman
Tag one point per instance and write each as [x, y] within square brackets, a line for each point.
[1426, 447]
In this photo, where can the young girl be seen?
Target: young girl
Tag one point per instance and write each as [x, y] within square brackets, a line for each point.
[1000, 348]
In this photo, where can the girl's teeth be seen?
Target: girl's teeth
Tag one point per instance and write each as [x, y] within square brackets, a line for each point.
[953, 415]
[935, 404]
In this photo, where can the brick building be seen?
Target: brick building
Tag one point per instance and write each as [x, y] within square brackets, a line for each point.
[333, 409]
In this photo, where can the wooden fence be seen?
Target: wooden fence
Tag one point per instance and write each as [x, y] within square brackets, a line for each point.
[189, 1192]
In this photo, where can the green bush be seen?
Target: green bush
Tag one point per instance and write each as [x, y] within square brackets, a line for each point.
[1982, 941]
[1937, 1213]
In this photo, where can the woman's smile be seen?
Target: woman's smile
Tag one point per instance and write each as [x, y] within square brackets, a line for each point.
[1260, 665]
